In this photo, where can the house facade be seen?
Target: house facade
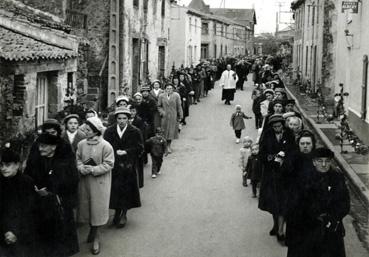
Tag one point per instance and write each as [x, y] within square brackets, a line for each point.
[185, 36]
[351, 64]
[38, 65]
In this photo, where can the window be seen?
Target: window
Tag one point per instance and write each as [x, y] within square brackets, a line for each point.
[145, 5]
[306, 60]
[313, 17]
[204, 51]
[195, 53]
[205, 28]
[317, 12]
[215, 28]
[195, 25]
[41, 99]
[189, 24]
[136, 3]
[163, 8]
[308, 18]
[215, 51]
[226, 50]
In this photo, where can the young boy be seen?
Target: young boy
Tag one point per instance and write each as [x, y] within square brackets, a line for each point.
[237, 122]
[157, 146]
[18, 208]
[253, 168]
[245, 152]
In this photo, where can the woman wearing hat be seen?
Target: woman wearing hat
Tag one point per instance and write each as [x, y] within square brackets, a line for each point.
[276, 144]
[171, 113]
[325, 202]
[120, 101]
[72, 134]
[155, 92]
[127, 143]
[55, 175]
[18, 207]
[95, 160]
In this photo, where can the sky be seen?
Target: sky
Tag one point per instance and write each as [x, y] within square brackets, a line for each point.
[265, 11]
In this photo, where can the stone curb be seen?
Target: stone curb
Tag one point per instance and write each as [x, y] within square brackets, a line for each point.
[342, 163]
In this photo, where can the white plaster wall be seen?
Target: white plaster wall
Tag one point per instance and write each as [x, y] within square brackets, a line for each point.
[349, 61]
[177, 42]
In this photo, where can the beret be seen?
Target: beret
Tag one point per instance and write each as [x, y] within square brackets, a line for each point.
[121, 98]
[122, 110]
[70, 116]
[96, 123]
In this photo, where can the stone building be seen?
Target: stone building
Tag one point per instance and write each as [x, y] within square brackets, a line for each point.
[351, 63]
[221, 36]
[127, 42]
[38, 65]
[185, 36]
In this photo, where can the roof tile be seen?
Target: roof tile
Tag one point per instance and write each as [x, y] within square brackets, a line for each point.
[18, 47]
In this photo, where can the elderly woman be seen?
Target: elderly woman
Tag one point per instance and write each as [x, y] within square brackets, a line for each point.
[95, 160]
[277, 143]
[324, 202]
[54, 172]
[72, 134]
[295, 124]
[127, 143]
[170, 109]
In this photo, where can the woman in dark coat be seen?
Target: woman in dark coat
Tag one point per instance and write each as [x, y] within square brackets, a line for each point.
[54, 172]
[18, 209]
[127, 143]
[298, 169]
[276, 143]
[325, 202]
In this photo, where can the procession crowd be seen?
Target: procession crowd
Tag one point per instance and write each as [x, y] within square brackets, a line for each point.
[83, 165]
[79, 168]
[299, 185]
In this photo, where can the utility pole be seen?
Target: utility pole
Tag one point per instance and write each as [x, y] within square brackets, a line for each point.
[222, 4]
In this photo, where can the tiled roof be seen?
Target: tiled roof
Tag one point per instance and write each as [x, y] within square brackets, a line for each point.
[240, 15]
[17, 47]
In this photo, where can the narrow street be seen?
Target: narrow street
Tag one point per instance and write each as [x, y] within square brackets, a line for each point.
[198, 206]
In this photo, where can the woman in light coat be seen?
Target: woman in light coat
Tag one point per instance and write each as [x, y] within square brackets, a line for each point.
[95, 161]
[170, 109]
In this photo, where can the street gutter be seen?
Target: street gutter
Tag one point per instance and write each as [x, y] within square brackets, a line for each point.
[342, 163]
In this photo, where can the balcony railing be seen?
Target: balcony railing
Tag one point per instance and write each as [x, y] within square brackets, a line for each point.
[76, 19]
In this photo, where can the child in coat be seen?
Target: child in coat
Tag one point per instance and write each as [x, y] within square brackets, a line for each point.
[157, 147]
[245, 152]
[254, 168]
[237, 122]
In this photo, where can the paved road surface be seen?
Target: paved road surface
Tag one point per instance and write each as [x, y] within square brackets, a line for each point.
[198, 207]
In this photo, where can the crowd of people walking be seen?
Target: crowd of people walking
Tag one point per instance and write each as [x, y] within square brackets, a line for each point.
[83, 166]
[299, 185]
[79, 169]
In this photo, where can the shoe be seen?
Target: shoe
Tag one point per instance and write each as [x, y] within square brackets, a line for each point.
[123, 222]
[169, 150]
[254, 196]
[159, 173]
[153, 175]
[237, 141]
[273, 232]
[95, 249]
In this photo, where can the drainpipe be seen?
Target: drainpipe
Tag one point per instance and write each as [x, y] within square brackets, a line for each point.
[364, 88]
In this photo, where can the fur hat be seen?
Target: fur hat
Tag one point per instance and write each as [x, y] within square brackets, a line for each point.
[323, 152]
[275, 118]
[51, 123]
